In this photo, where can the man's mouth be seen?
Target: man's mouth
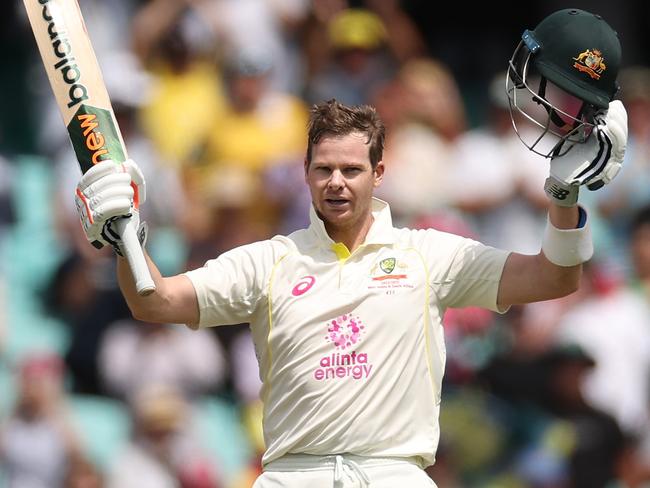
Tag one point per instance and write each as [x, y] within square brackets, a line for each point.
[336, 202]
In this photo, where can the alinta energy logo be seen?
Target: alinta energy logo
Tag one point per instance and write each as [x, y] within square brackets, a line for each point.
[344, 332]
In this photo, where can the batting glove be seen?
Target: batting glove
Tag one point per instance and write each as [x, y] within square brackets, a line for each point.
[593, 163]
[108, 192]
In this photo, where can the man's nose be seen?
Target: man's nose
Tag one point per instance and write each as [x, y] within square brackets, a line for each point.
[336, 181]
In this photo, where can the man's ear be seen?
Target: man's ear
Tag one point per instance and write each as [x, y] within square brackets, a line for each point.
[306, 167]
[379, 173]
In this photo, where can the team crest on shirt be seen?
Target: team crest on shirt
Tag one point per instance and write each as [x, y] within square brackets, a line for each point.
[389, 273]
[387, 265]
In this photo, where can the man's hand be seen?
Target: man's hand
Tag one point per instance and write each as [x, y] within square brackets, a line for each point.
[595, 162]
[105, 193]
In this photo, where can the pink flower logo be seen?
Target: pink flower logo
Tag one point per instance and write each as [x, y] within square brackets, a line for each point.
[345, 331]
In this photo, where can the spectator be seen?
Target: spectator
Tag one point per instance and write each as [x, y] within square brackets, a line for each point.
[37, 440]
[82, 473]
[164, 452]
[497, 182]
[619, 383]
[133, 355]
[427, 116]
[598, 440]
[359, 62]
[260, 130]
[183, 76]
[83, 294]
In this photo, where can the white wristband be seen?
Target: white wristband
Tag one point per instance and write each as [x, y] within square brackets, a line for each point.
[568, 247]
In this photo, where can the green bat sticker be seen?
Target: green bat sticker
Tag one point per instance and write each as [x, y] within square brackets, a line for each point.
[94, 137]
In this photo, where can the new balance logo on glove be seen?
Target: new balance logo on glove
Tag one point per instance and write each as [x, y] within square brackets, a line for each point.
[561, 193]
[557, 192]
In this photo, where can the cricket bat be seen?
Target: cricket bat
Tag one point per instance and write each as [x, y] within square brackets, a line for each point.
[83, 101]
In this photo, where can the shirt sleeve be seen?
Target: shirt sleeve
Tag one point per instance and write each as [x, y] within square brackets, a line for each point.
[467, 273]
[229, 288]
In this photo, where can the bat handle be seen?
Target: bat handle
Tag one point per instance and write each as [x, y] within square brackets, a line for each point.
[134, 255]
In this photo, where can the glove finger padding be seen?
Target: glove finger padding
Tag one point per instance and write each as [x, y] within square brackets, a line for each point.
[594, 163]
[613, 127]
[98, 187]
[137, 182]
[97, 172]
[106, 193]
[597, 166]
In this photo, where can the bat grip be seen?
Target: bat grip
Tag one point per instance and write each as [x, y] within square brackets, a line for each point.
[134, 255]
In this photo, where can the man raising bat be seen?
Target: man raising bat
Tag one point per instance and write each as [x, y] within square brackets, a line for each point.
[346, 314]
[75, 77]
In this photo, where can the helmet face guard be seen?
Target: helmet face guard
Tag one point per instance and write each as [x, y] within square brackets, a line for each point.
[537, 103]
[559, 76]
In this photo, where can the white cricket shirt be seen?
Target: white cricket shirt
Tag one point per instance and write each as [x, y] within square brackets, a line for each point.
[350, 346]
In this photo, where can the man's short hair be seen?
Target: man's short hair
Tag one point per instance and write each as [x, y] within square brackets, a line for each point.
[332, 118]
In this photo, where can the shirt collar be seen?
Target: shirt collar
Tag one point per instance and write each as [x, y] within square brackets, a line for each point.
[381, 230]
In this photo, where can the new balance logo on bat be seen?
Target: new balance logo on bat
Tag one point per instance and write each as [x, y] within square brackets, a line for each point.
[61, 47]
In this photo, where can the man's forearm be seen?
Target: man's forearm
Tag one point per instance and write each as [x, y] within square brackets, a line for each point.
[567, 244]
[173, 302]
[139, 305]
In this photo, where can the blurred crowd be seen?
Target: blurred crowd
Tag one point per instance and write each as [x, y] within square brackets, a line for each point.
[212, 97]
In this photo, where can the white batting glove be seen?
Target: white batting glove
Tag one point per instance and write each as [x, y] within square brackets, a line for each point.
[595, 162]
[105, 193]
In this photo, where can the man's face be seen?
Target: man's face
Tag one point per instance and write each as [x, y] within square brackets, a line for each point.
[341, 181]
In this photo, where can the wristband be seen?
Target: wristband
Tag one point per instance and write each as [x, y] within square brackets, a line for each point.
[568, 247]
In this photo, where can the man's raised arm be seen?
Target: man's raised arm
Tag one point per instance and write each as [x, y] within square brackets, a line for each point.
[106, 193]
[556, 270]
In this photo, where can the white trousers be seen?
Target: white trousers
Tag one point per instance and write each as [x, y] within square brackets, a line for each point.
[342, 471]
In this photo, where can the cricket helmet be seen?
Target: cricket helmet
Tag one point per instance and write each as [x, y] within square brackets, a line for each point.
[560, 75]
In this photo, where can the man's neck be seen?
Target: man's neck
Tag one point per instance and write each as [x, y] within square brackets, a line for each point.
[352, 237]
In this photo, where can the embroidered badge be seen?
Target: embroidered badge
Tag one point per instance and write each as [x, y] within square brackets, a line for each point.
[591, 62]
[387, 265]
